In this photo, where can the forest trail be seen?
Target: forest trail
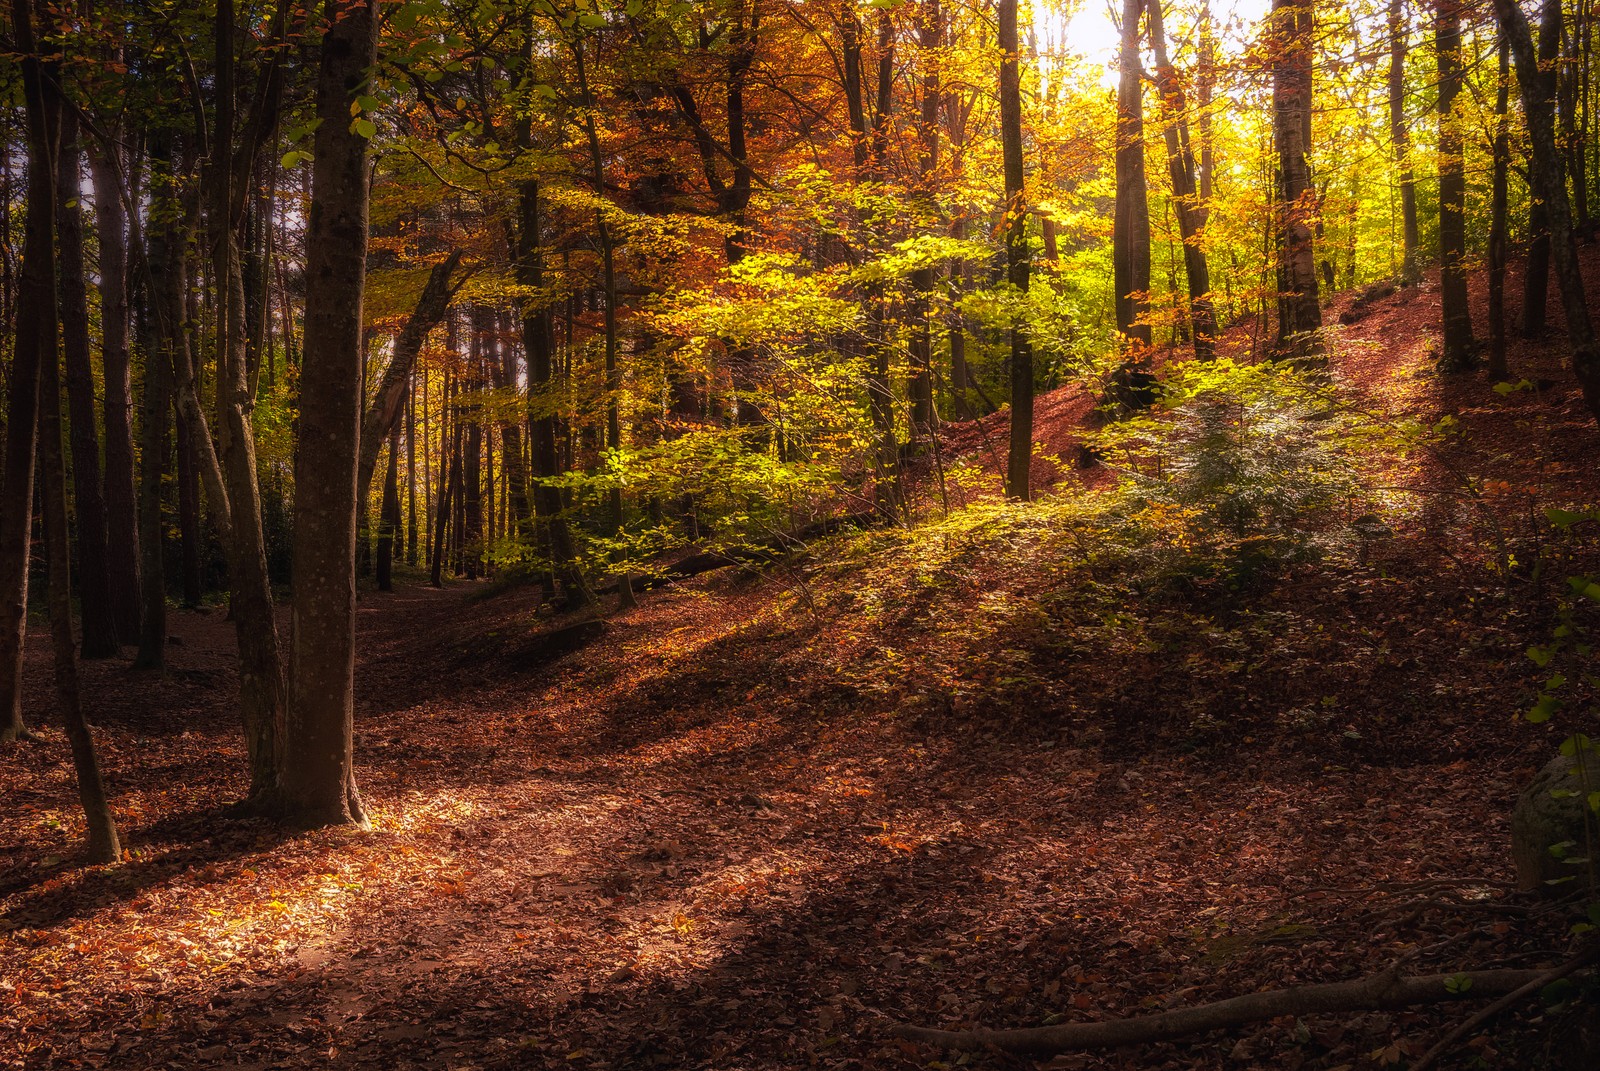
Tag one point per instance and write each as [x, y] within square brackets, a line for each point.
[718, 831]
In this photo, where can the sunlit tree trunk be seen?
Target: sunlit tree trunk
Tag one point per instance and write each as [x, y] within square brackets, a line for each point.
[1299, 311]
[1130, 241]
[1191, 209]
[1019, 462]
[1536, 272]
[1400, 142]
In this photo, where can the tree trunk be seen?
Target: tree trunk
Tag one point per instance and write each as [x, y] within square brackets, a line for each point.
[261, 683]
[1130, 236]
[94, 584]
[1536, 273]
[318, 779]
[103, 846]
[1458, 347]
[411, 470]
[389, 515]
[536, 339]
[1497, 216]
[35, 339]
[389, 402]
[189, 536]
[1549, 185]
[1191, 209]
[121, 510]
[1400, 141]
[1299, 310]
[1019, 462]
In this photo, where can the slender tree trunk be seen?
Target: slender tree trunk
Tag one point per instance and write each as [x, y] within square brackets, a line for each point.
[1459, 348]
[1130, 242]
[189, 536]
[1549, 184]
[319, 785]
[1190, 208]
[1536, 273]
[1400, 141]
[122, 549]
[35, 338]
[931, 34]
[161, 332]
[441, 501]
[536, 339]
[1497, 216]
[1019, 463]
[94, 583]
[411, 469]
[261, 680]
[389, 515]
[103, 846]
[1299, 309]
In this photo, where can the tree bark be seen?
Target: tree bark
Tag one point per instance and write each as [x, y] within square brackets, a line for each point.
[94, 583]
[1019, 460]
[1536, 272]
[1497, 216]
[121, 509]
[389, 515]
[1458, 347]
[1389, 991]
[1299, 309]
[318, 775]
[35, 337]
[1191, 209]
[1130, 241]
[1549, 185]
[103, 846]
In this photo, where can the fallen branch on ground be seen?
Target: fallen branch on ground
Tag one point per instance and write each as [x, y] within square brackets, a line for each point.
[1388, 991]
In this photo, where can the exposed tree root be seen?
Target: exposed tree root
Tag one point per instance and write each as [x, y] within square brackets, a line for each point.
[1381, 992]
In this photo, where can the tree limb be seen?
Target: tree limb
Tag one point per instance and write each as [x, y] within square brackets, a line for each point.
[1381, 992]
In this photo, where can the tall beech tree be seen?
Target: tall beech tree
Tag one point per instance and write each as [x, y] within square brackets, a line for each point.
[1459, 348]
[1019, 462]
[1130, 228]
[1299, 309]
[318, 778]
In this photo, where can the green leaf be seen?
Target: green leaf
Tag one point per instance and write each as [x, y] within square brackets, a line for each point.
[591, 22]
[1543, 710]
[365, 128]
[1554, 682]
[291, 159]
[1457, 984]
[1564, 518]
[1594, 805]
[1541, 655]
[1575, 743]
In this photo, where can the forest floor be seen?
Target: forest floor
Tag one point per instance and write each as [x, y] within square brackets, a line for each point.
[750, 825]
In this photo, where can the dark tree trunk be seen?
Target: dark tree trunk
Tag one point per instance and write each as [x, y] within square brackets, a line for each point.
[1536, 273]
[103, 846]
[1549, 184]
[160, 331]
[1190, 208]
[1299, 310]
[35, 339]
[1130, 240]
[122, 549]
[536, 339]
[1458, 348]
[94, 583]
[189, 537]
[1497, 216]
[1400, 141]
[318, 779]
[1019, 462]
